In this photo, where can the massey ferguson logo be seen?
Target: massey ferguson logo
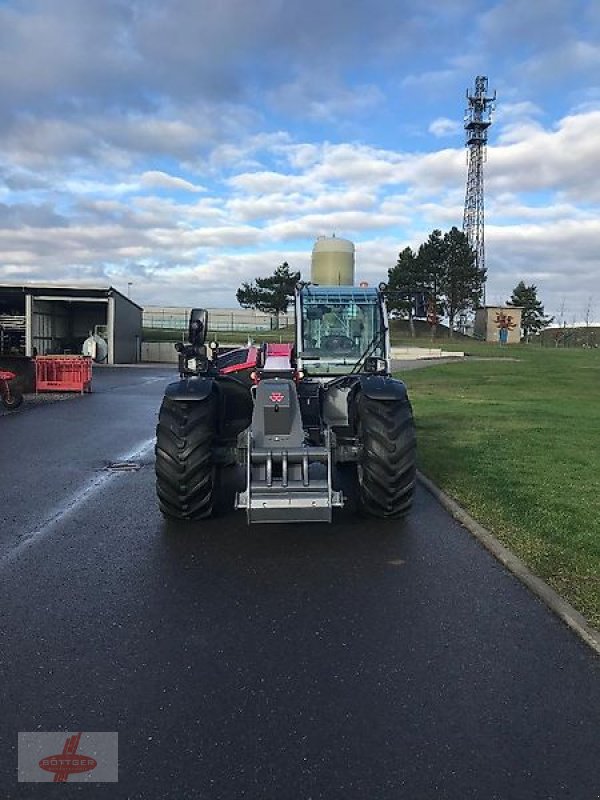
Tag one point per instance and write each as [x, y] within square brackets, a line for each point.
[276, 397]
[69, 761]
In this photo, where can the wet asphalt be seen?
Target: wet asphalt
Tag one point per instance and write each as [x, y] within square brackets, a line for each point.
[364, 659]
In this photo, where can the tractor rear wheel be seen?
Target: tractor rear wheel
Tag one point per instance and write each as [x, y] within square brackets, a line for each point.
[185, 472]
[386, 468]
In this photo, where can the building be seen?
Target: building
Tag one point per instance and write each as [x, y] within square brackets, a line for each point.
[498, 324]
[56, 320]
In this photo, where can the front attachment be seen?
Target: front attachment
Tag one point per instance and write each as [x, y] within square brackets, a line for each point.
[287, 480]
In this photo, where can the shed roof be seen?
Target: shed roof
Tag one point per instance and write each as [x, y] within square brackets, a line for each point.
[78, 290]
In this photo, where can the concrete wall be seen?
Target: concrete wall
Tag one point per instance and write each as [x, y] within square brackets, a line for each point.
[159, 353]
[165, 353]
[127, 331]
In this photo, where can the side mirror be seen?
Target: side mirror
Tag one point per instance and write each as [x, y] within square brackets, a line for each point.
[198, 326]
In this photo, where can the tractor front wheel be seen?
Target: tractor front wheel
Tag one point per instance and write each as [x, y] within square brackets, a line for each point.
[386, 468]
[185, 472]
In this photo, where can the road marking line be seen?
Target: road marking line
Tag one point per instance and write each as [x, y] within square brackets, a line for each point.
[72, 504]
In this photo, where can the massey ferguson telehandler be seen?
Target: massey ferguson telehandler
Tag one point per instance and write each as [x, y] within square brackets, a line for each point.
[310, 408]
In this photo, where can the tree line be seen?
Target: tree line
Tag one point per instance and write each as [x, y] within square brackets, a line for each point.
[443, 271]
[438, 279]
[441, 278]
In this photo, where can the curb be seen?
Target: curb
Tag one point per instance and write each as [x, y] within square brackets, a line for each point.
[557, 604]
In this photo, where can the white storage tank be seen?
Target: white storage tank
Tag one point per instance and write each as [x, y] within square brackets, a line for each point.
[96, 347]
[332, 262]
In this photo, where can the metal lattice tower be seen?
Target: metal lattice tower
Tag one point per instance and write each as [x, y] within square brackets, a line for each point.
[478, 118]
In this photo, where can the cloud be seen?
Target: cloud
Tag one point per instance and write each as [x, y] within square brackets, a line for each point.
[278, 205]
[557, 256]
[437, 79]
[372, 194]
[21, 215]
[534, 25]
[324, 100]
[32, 144]
[560, 63]
[116, 52]
[155, 179]
[442, 126]
[208, 141]
[516, 111]
[566, 159]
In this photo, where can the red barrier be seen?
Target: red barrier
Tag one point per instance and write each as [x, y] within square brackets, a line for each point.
[63, 374]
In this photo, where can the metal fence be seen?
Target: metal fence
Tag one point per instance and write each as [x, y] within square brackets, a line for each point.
[218, 320]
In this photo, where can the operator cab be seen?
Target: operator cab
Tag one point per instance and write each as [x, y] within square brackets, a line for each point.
[340, 329]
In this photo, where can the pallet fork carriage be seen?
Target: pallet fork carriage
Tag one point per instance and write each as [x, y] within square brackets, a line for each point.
[280, 480]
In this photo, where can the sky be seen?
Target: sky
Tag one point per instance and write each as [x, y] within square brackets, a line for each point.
[177, 148]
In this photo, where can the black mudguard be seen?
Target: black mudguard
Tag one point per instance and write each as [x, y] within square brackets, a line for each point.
[375, 387]
[235, 400]
[383, 387]
[190, 388]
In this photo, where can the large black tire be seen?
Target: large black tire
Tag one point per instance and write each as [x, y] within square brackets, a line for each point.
[387, 465]
[185, 472]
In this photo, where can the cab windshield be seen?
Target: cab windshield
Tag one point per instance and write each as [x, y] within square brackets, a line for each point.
[339, 325]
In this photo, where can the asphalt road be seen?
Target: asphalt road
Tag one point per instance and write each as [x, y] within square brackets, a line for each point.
[358, 660]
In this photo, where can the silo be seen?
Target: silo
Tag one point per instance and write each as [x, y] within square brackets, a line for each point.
[332, 262]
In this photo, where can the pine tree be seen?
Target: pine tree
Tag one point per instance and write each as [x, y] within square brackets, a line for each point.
[462, 284]
[432, 266]
[443, 274]
[404, 285]
[532, 315]
[272, 294]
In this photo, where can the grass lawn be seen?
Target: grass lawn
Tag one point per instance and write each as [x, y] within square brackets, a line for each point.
[517, 443]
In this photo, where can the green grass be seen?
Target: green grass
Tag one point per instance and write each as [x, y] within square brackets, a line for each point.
[517, 443]
[163, 335]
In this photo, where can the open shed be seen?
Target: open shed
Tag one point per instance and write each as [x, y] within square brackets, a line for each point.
[56, 320]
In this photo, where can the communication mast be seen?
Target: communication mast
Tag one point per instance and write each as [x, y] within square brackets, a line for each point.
[478, 118]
